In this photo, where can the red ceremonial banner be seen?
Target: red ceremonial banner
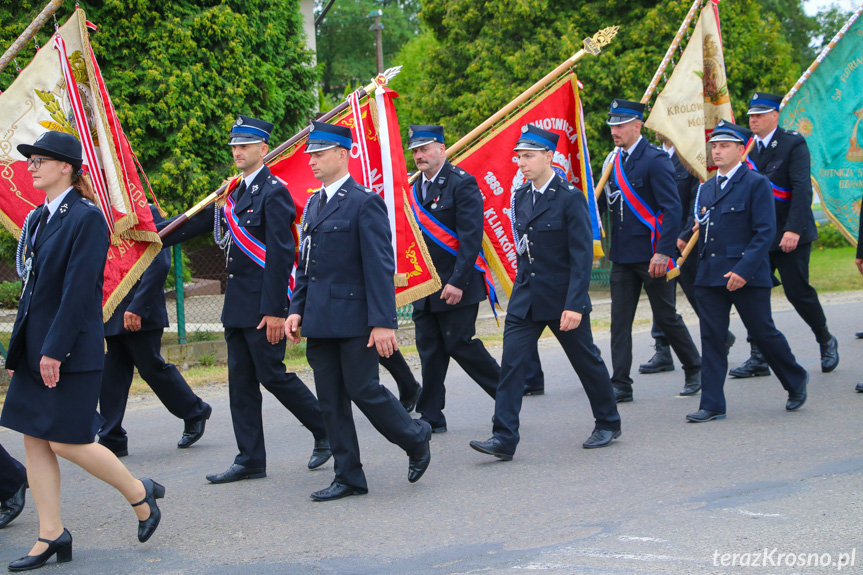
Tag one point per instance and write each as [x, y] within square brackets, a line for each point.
[494, 165]
[377, 162]
[62, 89]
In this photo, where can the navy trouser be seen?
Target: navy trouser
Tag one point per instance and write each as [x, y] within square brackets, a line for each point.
[753, 306]
[519, 341]
[252, 362]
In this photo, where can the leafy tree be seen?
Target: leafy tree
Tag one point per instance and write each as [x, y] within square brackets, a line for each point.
[486, 53]
[830, 21]
[346, 49]
[797, 27]
[180, 72]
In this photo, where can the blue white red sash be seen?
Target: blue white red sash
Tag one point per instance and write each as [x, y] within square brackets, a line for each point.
[248, 244]
[779, 193]
[448, 240]
[639, 207]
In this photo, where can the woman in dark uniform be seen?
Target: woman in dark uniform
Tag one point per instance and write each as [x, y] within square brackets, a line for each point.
[56, 353]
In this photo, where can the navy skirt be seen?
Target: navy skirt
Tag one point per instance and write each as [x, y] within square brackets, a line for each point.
[64, 414]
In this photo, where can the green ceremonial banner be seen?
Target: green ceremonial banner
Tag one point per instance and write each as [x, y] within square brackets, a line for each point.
[828, 111]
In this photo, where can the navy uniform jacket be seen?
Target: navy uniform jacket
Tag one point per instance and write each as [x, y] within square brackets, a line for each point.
[687, 189]
[561, 245]
[787, 165]
[741, 227]
[651, 174]
[348, 288]
[456, 202]
[266, 211]
[147, 297]
[55, 317]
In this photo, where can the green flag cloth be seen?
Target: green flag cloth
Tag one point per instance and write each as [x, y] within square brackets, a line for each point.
[828, 111]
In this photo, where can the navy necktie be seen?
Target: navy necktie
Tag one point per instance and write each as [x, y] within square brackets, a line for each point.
[623, 156]
[426, 185]
[43, 219]
[761, 146]
[536, 196]
[720, 180]
[323, 202]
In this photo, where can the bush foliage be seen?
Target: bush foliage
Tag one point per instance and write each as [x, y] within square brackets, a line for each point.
[180, 72]
[486, 53]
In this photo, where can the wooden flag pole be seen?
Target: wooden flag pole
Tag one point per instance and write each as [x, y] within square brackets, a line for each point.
[802, 80]
[592, 46]
[381, 80]
[821, 57]
[666, 60]
[28, 34]
[694, 239]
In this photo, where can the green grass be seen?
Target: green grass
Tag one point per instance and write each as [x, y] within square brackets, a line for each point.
[832, 270]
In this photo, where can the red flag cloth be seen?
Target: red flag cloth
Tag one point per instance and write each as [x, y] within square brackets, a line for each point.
[494, 165]
[39, 100]
[377, 161]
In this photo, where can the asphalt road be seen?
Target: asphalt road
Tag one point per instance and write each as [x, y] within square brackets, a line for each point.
[668, 497]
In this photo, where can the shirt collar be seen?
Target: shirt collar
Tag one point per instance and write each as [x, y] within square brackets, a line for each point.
[631, 149]
[543, 188]
[766, 140]
[55, 203]
[730, 174]
[669, 150]
[251, 177]
[433, 178]
[334, 187]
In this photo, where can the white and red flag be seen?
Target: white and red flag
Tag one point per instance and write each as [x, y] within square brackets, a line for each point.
[62, 89]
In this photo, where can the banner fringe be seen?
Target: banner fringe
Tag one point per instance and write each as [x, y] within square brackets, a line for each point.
[428, 287]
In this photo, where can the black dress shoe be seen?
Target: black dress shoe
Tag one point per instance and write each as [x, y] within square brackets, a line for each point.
[829, 354]
[236, 473]
[600, 438]
[661, 360]
[703, 415]
[859, 387]
[692, 384]
[147, 527]
[320, 454]
[194, 429]
[492, 447]
[418, 461]
[12, 507]
[859, 335]
[622, 396]
[529, 391]
[755, 366]
[409, 403]
[337, 490]
[62, 547]
[796, 400]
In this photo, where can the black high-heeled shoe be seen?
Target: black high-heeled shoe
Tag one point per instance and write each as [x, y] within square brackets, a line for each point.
[62, 547]
[153, 491]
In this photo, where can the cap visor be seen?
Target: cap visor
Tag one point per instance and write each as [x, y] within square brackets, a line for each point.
[420, 142]
[319, 146]
[240, 140]
[725, 138]
[616, 120]
[754, 111]
[529, 145]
